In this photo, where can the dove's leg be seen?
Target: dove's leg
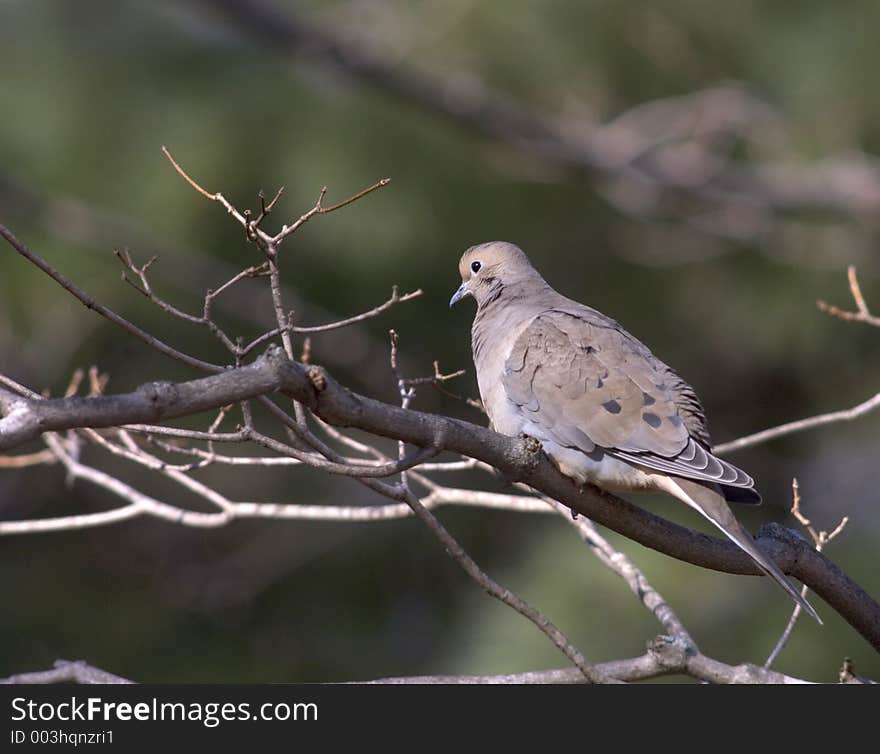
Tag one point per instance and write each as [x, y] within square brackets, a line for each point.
[713, 506]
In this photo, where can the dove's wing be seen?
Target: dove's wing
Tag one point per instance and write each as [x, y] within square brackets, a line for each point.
[586, 383]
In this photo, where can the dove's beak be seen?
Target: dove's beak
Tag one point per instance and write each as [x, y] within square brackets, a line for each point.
[458, 295]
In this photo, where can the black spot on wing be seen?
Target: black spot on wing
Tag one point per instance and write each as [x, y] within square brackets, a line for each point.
[612, 407]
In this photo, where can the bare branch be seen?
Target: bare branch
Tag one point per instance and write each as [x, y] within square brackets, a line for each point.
[26, 418]
[269, 244]
[861, 314]
[18, 388]
[190, 181]
[265, 209]
[139, 504]
[27, 459]
[65, 671]
[369, 190]
[90, 303]
[352, 470]
[320, 209]
[848, 414]
[820, 539]
[627, 570]
[665, 656]
[147, 291]
[455, 550]
[396, 298]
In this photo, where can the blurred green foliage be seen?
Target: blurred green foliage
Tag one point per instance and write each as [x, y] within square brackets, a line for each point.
[93, 89]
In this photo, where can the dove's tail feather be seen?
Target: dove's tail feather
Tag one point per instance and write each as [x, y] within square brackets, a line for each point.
[713, 506]
[740, 495]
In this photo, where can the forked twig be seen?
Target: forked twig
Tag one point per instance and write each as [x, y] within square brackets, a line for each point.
[862, 313]
[820, 539]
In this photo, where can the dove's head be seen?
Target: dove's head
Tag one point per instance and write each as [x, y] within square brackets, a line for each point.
[488, 267]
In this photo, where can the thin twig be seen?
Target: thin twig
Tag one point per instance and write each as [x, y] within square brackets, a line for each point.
[216, 197]
[455, 551]
[27, 459]
[492, 587]
[435, 379]
[800, 425]
[315, 461]
[360, 195]
[320, 209]
[146, 290]
[820, 539]
[290, 327]
[90, 303]
[862, 313]
[395, 298]
[627, 570]
[265, 209]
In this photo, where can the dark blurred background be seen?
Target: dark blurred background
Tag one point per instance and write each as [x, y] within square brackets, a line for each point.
[700, 171]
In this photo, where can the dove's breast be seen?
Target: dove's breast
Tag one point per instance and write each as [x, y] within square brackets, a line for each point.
[490, 356]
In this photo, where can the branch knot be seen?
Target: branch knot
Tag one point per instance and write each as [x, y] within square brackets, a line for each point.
[670, 652]
[318, 378]
[162, 395]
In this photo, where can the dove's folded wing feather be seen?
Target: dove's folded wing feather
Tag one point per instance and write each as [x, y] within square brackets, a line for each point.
[586, 383]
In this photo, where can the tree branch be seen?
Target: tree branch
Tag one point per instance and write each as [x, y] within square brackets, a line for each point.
[518, 459]
[86, 300]
[665, 656]
[66, 671]
[845, 415]
[862, 313]
[25, 419]
[627, 570]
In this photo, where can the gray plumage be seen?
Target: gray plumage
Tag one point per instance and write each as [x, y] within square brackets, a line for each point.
[605, 409]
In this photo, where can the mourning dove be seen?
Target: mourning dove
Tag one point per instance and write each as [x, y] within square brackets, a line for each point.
[604, 408]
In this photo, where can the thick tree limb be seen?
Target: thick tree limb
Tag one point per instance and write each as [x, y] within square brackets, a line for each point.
[518, 459]
[25, 419]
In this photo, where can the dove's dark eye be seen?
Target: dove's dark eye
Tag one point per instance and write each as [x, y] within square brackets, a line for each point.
[475, 266]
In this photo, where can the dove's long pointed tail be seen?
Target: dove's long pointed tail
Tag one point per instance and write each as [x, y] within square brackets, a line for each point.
[714, 507]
